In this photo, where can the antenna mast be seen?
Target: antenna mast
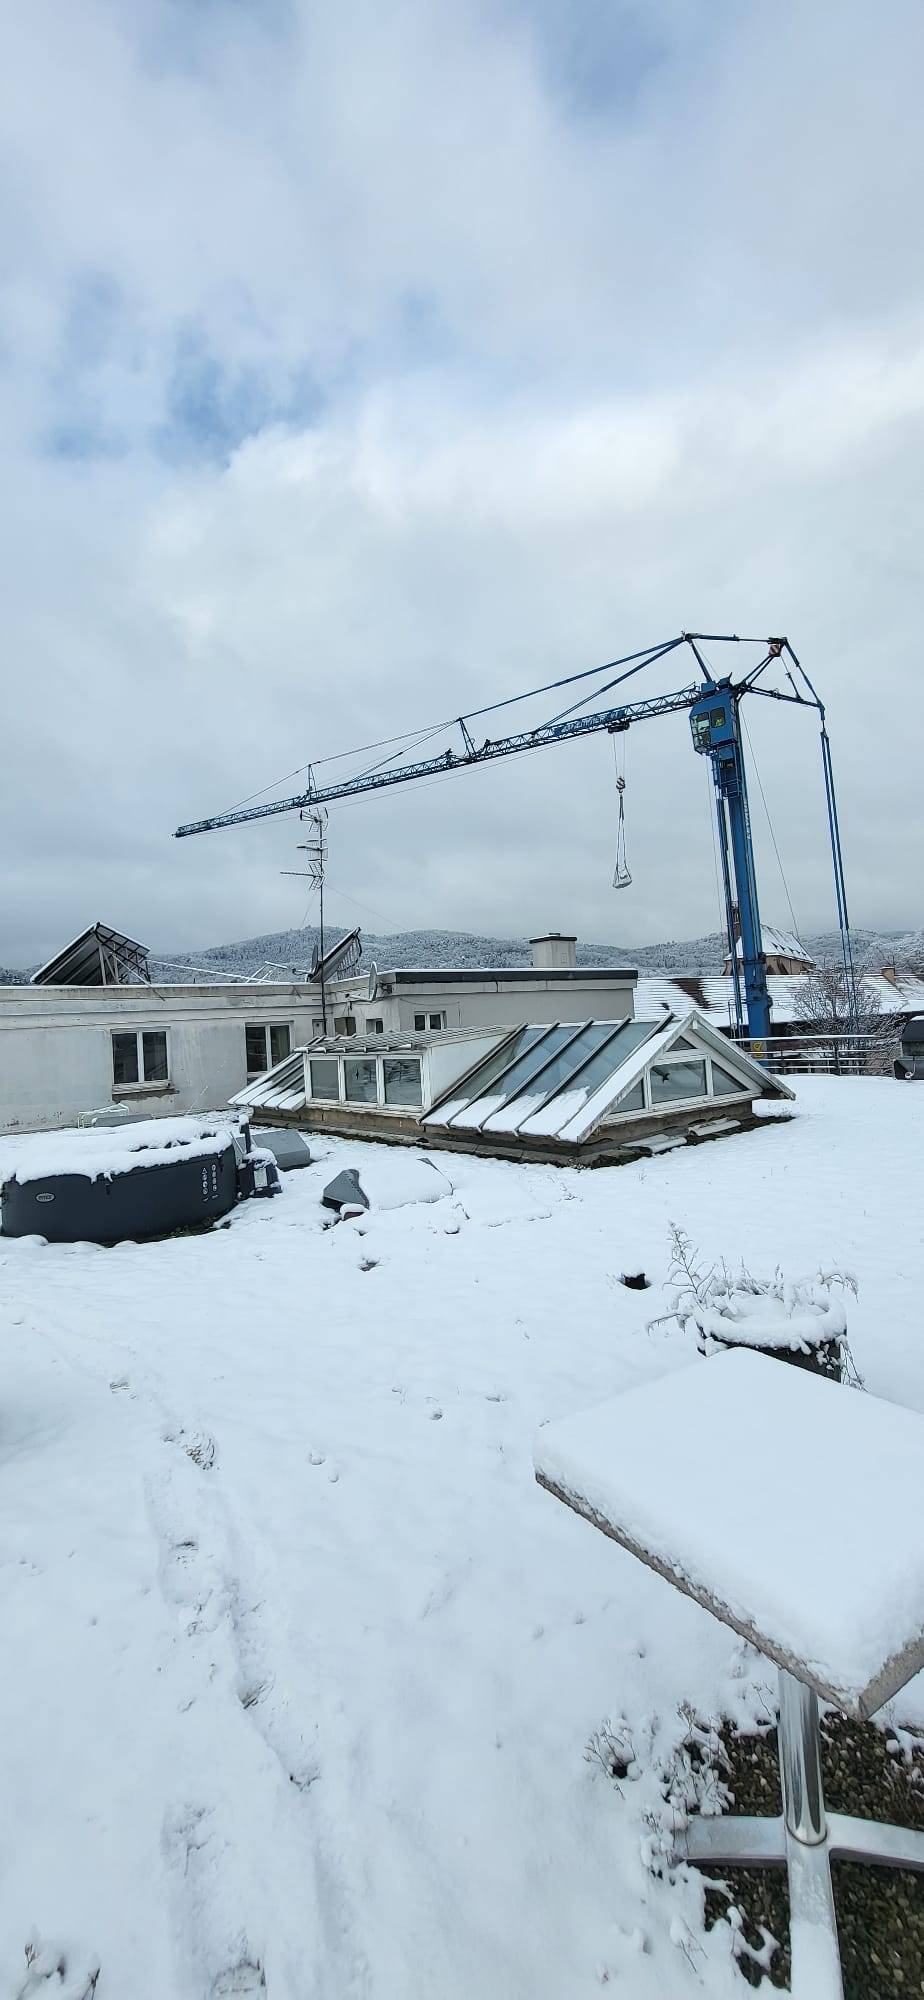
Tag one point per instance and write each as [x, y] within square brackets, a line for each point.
[316, 850]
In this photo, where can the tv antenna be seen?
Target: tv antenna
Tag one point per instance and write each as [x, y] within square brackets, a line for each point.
[316, 850]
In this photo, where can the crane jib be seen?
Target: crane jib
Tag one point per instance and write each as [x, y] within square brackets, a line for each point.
[713, 702]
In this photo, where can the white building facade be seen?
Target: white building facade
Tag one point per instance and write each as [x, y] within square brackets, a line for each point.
[70, 1053]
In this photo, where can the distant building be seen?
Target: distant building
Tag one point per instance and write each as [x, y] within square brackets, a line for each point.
[782, 952]
[90, 1036]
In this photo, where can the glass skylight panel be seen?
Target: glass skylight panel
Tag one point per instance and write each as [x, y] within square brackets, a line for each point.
[599, 1052]
[479, 1098]
[724, 1084]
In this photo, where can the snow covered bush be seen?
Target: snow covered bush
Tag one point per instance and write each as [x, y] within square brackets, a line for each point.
[802, 1320]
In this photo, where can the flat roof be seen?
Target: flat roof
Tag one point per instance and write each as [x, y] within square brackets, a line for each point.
[516, 975]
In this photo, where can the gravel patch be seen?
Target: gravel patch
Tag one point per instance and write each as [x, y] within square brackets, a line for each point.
[880, 1912]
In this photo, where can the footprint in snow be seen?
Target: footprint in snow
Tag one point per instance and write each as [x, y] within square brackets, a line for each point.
[48, 1971]
[247, 1976]
[198, 1445]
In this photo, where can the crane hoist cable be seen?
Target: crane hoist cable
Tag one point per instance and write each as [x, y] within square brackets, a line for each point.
[622, 874]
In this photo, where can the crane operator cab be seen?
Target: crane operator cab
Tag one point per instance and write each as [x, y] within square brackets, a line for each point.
[712, 722]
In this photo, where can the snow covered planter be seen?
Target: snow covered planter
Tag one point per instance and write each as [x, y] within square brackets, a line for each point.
[803, 1321]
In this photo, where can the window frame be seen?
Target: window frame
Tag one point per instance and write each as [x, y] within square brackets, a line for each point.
[143, 1086]
[378, 1062]
[266, 1027]
[409, 1060]
[684, 1060]
[364, 1062]
[338, 1069]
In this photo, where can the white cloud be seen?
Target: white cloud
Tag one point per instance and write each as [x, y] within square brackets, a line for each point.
[524, 375]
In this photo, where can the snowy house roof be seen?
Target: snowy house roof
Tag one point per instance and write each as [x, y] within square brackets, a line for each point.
[711, 994]
[779, 944]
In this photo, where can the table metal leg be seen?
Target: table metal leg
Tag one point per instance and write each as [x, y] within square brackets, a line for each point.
[800, 1761]
[816, 1962]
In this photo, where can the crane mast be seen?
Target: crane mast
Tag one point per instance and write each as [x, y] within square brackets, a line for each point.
[713, 705]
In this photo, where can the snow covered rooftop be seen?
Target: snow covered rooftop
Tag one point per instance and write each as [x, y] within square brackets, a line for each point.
[301, 1664]
[711, 994]
[779, 944]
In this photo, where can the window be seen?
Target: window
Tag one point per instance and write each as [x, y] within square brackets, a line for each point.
[436, 1021]
[325, 1078]
[420, 1024]
[359, 1080]
[402, 1081]
[268, 1043]
[346, 1025]
[671, 1081]
[724, 1084]
[280, 1042]
[125, 1059]
[139, 1057]
[375, 1027]
[317, 1027]
[634, 1099]
[154, 1055]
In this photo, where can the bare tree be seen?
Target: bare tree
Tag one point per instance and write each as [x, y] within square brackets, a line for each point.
[909, 954]
[823, 1007]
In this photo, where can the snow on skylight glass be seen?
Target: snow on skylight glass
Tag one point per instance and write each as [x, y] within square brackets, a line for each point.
[599, 1052]
[476, 1084]
[606, 1064]
[509, 1081]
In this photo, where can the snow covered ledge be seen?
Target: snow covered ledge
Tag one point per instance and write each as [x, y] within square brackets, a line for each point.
[803, 1535]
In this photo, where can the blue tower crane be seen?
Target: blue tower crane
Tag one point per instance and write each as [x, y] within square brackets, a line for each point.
[713, 703]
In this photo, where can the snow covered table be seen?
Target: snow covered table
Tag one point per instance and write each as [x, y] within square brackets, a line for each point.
[801, 1530]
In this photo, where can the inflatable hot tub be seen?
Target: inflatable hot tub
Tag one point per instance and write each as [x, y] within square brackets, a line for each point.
[105, 1186]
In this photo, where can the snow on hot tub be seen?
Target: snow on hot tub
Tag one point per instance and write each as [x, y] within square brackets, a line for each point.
[101, 1185]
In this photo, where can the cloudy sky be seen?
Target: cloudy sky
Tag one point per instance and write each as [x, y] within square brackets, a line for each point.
[361, 363]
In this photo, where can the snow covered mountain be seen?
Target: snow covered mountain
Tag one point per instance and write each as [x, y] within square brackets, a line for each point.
[286, 953]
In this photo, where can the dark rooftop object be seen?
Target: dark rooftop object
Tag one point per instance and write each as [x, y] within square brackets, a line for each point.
[98, 957]
[508, 975]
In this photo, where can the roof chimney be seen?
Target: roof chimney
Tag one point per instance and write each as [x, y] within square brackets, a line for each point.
[553, 952]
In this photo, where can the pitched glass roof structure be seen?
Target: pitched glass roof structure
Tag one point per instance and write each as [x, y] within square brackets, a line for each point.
[562, 1081]
[544, 1078]
[560, 1090]
[98, 957]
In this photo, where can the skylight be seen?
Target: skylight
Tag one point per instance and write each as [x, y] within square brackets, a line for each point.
[545, 1081]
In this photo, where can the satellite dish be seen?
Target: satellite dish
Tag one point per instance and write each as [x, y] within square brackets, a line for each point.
[373, 984]
[315, 961]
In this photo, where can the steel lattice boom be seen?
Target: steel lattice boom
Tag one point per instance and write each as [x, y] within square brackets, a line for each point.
[713, 704]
